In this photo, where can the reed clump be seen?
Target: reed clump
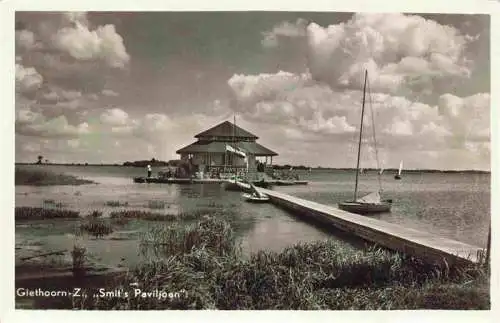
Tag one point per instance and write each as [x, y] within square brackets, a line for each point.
[79, 257]
[209, 233]
[204, 260]
[39, 213]
[156, 204]
[159, 216]
[116, 204]
[96, 227]
[142, 215]
[38, 177]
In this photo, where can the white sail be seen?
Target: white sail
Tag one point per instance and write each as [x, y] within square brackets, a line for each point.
[381, 171]
[370, 198]
[400, 168]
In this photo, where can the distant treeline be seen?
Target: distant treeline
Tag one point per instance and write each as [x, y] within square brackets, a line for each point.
[143, 163]
[70, 164]
[389, 170]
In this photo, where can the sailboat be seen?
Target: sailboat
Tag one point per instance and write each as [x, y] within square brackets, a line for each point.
[398, 175]
[371, 203]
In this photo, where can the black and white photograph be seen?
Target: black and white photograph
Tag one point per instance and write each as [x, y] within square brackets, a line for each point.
[251, 160]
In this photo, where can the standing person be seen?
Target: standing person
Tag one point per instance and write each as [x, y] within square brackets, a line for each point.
[149, 170]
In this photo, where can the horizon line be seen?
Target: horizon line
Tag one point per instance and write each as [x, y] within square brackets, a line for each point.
[281, 165]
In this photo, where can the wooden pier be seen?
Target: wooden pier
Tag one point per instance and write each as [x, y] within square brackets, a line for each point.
[392, 236]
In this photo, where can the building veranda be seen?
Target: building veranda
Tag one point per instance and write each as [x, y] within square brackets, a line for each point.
[227, 149]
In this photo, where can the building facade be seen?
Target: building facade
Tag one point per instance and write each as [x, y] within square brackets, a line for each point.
[226, 148]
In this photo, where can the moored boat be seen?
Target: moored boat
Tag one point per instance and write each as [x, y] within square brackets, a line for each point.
[255, 199]
[237, 186]
[262, 183]
[284, 182]
[371, 203]
[255, 196]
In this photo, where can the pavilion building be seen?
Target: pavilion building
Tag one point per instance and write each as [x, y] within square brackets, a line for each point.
[226, 148]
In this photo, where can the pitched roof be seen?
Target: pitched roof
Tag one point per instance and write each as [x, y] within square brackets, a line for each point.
[226, 129]
[220, 147]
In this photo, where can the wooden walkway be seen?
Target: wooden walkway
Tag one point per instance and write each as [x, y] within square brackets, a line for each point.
[392, 236]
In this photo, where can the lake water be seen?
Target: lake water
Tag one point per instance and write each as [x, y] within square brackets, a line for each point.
[448, 204]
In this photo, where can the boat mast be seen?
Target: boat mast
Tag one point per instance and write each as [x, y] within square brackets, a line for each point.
[234, 147]
[360, 137]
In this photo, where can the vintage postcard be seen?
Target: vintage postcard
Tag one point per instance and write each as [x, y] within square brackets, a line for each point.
[251, 160]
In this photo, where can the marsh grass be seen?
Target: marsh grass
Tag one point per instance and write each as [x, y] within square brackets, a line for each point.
[78, 256]
[95, 214]
[209, 233]
[204, 259]
[211, 204]
[95, 227]
[159, 216]
[52, 203]
[40, 213]
[45, 178]
[116, 203]
[141, 215]
[157, 204]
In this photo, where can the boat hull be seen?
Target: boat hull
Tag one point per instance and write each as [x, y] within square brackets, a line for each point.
[237, 186]
[262, 184]
[254, 199]
[397, 177]
[366, 208]
[284, 183]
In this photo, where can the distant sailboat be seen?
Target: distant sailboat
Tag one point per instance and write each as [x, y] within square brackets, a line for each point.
[398, 175]
[381, 171]
[371, 203]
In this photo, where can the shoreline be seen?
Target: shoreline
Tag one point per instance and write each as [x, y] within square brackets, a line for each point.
[279, 167]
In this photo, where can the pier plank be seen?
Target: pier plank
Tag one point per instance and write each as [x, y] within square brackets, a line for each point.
[389, 235]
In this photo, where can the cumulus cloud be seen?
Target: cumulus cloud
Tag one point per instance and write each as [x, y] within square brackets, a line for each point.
[284, 30]
[254, 88]
[399, 51]
[467, 118]
[406, 56]
[25, 39]
[27, 79]
[309, 108]
[108, 92]
[31, 123]
[103, 43]
[73, 55]
[115, 117]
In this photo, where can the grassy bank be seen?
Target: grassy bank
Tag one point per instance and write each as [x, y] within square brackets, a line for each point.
[42, 213]
[202, 265]
[55, 210]
[46, 178]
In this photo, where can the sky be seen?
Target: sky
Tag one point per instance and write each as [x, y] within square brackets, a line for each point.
[109, 87]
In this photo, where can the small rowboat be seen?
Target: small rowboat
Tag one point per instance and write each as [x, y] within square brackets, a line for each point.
[253, 198]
